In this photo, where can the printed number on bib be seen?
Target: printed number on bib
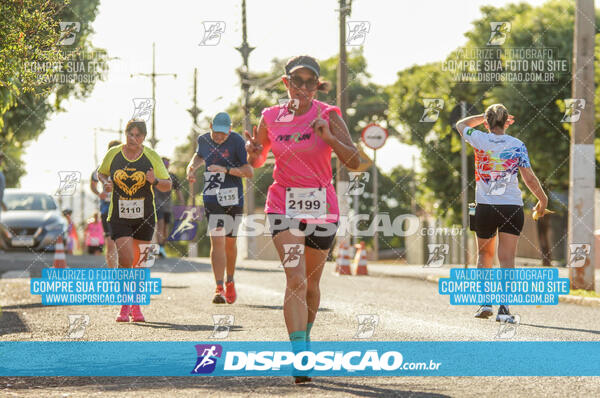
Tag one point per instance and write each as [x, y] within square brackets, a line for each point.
[131, 209]
[227, 196]
[305, 202]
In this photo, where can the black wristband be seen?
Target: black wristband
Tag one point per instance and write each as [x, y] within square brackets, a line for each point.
[155, 182]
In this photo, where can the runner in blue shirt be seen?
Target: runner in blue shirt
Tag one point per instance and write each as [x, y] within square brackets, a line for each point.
[224, 153]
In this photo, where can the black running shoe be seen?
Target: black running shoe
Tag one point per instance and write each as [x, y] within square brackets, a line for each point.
[484, 312]
[504, 315]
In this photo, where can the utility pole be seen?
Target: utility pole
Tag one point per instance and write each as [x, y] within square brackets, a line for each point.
[153, 140]
[375, 205]
[463, 173]
[194, 111]
[342, 102]
[582, 176]
[245, 51]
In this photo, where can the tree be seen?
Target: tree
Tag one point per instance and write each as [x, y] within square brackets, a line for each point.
[39, 69]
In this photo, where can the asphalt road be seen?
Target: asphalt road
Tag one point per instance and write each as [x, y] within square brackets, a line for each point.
[407, 309]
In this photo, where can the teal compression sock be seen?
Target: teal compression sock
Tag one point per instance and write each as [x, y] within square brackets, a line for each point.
[309, 326]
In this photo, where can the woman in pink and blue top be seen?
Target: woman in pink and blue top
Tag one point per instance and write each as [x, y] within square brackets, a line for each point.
[301, 203]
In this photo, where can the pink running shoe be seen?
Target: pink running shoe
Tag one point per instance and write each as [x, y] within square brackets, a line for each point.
[136, 314]
[124, 314]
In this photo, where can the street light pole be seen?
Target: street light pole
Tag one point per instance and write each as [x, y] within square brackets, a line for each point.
[194, 111]
[342, 103]
[245, 51]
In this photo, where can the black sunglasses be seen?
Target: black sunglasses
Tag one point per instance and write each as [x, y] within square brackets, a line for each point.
[298, 82]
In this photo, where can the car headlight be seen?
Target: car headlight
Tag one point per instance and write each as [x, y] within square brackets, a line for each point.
[54, 227]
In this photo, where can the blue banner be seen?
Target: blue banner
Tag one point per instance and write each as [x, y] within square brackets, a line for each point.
[95, 286]
[508, 286]
[279, 358]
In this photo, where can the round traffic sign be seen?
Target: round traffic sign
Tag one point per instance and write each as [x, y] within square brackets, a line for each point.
[374, 136]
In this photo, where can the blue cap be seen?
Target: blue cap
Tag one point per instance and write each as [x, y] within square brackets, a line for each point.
[221, 122]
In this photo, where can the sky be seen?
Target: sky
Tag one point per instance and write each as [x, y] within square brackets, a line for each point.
[402, 33]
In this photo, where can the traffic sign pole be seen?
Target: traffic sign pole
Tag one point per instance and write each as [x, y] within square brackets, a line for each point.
[375, 136]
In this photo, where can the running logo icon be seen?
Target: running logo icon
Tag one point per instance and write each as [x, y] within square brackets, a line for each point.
[508, 328]
[433, 107]
[212, 182]
[437, 254]
[148, 253]
[287, 110]
[291, 254]
[357, 183]
[357, 32]
[573, 109]
[212, 32]
[223, 323]
[68, 182]
[143, 108]
[366, 326]
[67, 32]
[185, 225]
[77, 325]
[498, 183]
[207, 358]
[499, 33]
[578, 254]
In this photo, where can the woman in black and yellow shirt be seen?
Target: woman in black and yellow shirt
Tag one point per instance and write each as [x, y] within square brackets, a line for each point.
[131, 172]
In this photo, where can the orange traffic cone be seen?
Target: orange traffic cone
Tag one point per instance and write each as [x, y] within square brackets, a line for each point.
[60, 260]
[343, 259]
[360, 260]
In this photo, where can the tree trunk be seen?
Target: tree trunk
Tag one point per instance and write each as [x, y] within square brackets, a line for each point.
[543, 229]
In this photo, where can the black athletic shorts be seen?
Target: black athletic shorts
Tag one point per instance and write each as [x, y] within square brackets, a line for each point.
[503, 218]
[140, 230]
[105, 224]
[94, 249]
[317, 236]
[163, 215]
[228, 217]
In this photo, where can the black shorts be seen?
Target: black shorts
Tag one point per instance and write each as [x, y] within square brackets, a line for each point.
[318, 236]
[228, 217]
[163, 215]
[105, 224]
[140, 230]
[504, 218]
[94, 249]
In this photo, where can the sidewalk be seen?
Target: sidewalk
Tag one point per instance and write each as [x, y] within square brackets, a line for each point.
[434, 274]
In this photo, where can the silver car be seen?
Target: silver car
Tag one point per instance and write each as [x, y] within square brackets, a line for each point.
[31, 221]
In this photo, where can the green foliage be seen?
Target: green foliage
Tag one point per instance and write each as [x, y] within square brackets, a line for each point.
[33, 66]
[538, 108]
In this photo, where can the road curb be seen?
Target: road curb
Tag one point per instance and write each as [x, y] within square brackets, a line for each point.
[569, 298]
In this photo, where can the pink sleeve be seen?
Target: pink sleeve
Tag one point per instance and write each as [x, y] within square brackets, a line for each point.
[332, 108]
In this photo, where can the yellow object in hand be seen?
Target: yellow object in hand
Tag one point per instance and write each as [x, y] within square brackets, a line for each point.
[536, 216]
